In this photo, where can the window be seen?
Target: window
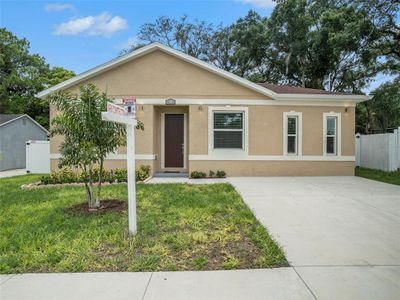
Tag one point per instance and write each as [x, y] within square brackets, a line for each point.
[292, 133]
[228, 130]
[331, 139]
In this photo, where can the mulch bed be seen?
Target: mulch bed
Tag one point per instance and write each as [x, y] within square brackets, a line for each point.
[114, 205]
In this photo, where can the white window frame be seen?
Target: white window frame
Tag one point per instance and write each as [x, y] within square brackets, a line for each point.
[299, 133]
[234, 153]
[338, 138]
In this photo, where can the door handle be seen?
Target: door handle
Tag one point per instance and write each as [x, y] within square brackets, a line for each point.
[183, 149]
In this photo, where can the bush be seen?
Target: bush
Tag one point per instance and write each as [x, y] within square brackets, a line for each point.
[221, 174]
[46, 179]
[197, 174]
[211, 174]
[65, 175]
[142, 173]
[96, 174]
[121, 175]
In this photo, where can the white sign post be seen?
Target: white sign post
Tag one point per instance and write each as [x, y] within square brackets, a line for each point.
[127, 115]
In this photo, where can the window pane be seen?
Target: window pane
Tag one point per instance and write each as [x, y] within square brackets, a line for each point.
[291, 145]
[331, 126]
[292, 124]
[228, 139]
[330, 145]
[228, 120]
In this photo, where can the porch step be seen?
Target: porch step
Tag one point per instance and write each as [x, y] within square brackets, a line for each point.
[171, 174]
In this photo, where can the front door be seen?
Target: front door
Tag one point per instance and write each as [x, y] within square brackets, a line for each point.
[174, 141]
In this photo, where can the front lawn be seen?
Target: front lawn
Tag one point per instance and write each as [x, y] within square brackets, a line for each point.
[181, 227]
[388, 177]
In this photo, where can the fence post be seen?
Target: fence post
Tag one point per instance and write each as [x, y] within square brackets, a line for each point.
[397, 145]
[358, 149]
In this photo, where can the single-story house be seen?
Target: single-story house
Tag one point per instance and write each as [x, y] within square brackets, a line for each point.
[15, 131]
[198, 117]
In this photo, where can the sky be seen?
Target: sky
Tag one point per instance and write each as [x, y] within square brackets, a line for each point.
[79, 35]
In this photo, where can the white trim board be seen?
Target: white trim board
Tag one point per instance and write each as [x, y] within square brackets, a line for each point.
[115, 156]
[272, 158]
[249, 102]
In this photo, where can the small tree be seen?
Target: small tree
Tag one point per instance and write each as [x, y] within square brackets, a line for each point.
[87, 139]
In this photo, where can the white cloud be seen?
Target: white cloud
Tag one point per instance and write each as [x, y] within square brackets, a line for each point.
[131, 42]
[58, 7]
[104, 25]
[260, 3]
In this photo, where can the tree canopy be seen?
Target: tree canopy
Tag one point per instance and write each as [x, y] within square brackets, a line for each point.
[332, 45]
[22, 75]
[339, 46]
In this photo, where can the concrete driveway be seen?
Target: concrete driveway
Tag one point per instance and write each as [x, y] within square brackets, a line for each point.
[340, 234]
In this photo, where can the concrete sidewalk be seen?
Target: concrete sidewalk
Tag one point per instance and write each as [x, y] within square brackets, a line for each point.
[12, 173]
[281, 283]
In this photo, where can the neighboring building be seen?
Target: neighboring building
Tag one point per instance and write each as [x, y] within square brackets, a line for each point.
[15, 130]
[199, 117]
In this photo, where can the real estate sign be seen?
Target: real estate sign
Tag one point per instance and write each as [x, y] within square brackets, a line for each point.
[127, 115]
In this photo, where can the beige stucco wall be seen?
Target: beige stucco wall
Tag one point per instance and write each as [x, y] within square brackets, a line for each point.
[276, 168]
[266, 129]
[160, 75]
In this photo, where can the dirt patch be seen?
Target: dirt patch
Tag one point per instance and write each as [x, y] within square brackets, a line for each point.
[105, 206]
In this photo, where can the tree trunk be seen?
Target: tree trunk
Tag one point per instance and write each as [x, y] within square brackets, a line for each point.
[99, 184]
[89, 195]
[89, 190]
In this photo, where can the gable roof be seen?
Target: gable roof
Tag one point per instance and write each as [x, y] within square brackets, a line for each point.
[147, 49]
[8, 118]
[287, 89]
[5, 118]
[275, 92]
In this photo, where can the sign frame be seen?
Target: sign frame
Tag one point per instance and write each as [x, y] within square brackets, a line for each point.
[115, 113]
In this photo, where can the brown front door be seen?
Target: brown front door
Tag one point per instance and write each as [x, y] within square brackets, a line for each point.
[174, 141]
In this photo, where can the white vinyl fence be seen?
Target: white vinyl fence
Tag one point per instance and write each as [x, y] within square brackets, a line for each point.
[38, 157]
[378, 151]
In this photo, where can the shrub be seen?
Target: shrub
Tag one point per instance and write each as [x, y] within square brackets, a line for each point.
[197, 174]
[65, 175]
[142, 173]
[221, 174]
[96, 174]
[81, 177]
[46, 179]
[211, 174]
[121, 175]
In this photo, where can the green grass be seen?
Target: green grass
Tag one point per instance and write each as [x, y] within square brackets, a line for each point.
[388, 177]
[180, 227]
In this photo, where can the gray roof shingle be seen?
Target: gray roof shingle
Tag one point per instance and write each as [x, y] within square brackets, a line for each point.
[8, 117]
